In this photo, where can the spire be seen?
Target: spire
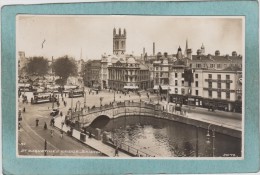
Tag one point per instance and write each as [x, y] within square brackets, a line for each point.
[124, 32]
[186, 48]
[202, 49]
[114, 31]
[202, 46]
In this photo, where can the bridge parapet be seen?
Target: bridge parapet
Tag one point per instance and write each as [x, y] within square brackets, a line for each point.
[143, 109]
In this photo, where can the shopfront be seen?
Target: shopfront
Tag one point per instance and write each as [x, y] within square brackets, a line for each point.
[194, 101]
[217, 104]
[178, 99]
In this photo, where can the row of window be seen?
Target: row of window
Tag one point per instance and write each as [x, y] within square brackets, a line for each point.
[219, 85]
[219, 94]
[219, 66]
[210, 76]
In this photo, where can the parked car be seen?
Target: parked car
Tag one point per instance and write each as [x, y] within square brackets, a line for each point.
[54, 112]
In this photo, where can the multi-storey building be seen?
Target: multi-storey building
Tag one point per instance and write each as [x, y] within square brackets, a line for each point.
[104, 72]
[126, 73]
[161, 70]
[220, 89]
[22, 61]
[216, 61]
[178, 86]
[92, 73]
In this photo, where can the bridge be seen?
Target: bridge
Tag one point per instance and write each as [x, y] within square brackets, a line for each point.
[85, 116]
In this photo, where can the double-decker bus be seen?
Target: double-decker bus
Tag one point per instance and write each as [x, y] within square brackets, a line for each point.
[43, 98]
[76, 93]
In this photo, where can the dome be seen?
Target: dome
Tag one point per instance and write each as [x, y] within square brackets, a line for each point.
[234, 53]
[217, 52]
[198, 52]
[131, 60]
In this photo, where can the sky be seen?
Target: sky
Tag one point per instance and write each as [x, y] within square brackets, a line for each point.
[88, 37]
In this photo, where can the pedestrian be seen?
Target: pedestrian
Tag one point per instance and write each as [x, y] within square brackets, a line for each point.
[51, 132]
[37, 122]
[61, 113]
[19, 126]
[24, 109]
[62, 124]
[45, 126]
[53, 121]
[61, 133]
[89, 135]
[116, 151]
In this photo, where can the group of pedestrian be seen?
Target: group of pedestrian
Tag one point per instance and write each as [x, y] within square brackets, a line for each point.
[45, 127]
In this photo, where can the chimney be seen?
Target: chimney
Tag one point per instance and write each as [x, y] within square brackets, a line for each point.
[143, 50]
[153, 48]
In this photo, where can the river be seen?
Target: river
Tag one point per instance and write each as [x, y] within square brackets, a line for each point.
[166, 138]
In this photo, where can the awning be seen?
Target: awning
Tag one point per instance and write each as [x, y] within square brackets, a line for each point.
[131, 87]
[165, 87]
[156, 87]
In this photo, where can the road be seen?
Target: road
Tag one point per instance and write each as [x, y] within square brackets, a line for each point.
[31, 138]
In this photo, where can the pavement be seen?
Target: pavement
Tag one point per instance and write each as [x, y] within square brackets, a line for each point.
[222, 118]
[31, 139]
[96, 144]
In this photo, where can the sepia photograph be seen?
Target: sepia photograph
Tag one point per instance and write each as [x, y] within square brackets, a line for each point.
[130, 86]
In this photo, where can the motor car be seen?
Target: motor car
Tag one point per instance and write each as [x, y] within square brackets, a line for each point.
[54, 112]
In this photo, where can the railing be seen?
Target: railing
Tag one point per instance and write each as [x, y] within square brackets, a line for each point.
[131, 150]
[125, 108]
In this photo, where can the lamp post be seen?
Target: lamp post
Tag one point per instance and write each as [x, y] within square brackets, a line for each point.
[168, 98]
[100, 99]
[71, 104]
[84, 93]
[213, 139]
[114, 95]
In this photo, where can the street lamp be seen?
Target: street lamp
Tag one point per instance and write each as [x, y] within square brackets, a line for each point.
[101, 98]
[84, 96]
[213, 140]
[114, 95]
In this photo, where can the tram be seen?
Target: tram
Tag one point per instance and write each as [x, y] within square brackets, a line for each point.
[76, 93]
[25, 88]
[43, 98]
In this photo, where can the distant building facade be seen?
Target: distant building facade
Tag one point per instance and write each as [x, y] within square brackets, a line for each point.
[22, 61]
[128, 74]
[92, 73]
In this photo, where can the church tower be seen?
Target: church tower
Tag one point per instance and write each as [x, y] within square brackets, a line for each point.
[119, 42]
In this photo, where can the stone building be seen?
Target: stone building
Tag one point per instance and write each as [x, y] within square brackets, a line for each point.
[92, 73]
[22, 61]
[126, 73]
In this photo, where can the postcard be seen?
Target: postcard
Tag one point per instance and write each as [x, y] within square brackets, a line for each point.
[97, 88]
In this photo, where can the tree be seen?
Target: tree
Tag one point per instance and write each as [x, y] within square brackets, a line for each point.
[64, 67]
[37, 66]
